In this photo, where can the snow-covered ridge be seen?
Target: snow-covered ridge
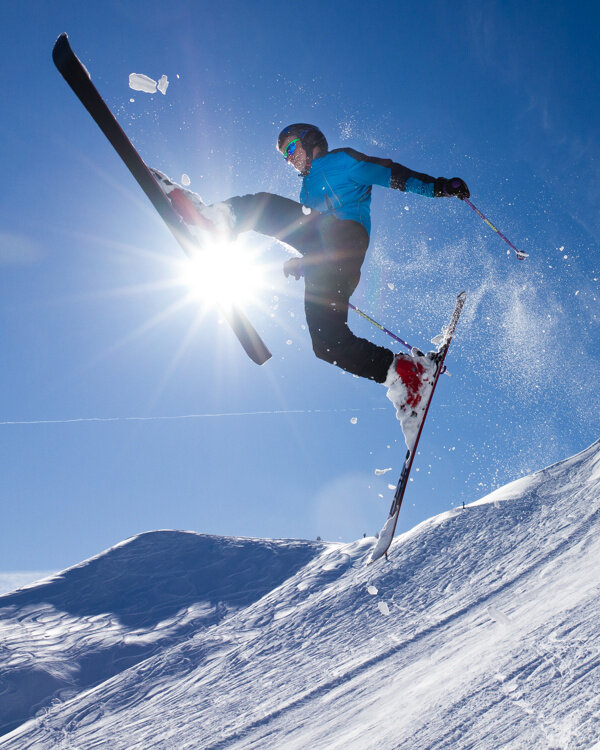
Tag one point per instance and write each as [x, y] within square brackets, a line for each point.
[481, 632]
[76, 629]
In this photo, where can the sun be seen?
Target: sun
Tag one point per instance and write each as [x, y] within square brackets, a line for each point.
[223, 274]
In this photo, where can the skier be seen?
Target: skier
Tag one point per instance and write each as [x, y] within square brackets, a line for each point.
[330, 228]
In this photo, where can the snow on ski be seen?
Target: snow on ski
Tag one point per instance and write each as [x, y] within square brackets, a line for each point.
[75, 74]
[386, 534]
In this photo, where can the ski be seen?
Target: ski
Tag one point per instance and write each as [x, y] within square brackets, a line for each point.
[75, 74]
[386, 534]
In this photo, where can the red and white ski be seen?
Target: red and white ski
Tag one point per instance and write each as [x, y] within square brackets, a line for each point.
[386, 534]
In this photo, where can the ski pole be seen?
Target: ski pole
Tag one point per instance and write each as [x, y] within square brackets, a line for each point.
[520, 254]
[443, 371]
[381, 328]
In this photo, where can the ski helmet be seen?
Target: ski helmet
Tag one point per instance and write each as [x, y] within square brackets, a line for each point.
[310, 136]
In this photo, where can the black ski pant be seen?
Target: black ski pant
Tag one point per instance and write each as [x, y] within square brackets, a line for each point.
[333, 252]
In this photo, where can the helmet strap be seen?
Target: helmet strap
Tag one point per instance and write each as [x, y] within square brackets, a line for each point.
[309, 158]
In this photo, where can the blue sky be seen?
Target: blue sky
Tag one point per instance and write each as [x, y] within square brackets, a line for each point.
[501, 94]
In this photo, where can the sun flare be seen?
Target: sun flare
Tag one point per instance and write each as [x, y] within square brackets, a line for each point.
[223, 274]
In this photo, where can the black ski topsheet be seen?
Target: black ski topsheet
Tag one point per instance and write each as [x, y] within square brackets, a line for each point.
[386, 535]
[75, 74]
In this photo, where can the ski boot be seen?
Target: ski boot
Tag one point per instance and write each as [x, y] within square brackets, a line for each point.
[216, 220]
[409, 378]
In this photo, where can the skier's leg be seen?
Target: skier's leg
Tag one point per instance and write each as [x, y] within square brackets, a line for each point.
[333, 341]
[277, 217]
[329, 286]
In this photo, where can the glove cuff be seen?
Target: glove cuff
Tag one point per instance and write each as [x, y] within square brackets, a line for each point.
[439, 188]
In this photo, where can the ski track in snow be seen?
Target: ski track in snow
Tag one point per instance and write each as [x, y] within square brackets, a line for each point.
[480, 632]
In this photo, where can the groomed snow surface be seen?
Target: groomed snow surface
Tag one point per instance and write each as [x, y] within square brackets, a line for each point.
[482, 631]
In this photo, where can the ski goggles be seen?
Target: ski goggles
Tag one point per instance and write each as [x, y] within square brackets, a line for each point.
[290, 148]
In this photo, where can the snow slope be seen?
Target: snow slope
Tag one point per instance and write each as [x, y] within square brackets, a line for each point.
[481, 632]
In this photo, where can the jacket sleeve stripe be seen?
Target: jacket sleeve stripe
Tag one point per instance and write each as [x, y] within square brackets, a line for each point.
[400, 177]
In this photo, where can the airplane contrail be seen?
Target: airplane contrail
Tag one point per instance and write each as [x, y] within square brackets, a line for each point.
[78, 420]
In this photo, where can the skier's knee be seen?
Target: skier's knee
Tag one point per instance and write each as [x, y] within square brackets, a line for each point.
[320, 349]
[326, 350]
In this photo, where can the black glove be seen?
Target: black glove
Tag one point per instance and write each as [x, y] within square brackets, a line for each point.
[293, 267]
[444, 188]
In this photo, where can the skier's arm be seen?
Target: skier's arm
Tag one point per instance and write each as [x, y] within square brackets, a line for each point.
[371, 170]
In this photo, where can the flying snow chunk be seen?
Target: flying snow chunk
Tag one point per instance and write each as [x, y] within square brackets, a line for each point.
[372, 590]
[354, 420]
[383, 608]
[163, 84]
[140, 82]
[185, 180]
[379, 472]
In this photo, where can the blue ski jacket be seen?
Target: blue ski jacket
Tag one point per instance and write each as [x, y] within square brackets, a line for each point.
[340, 183]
